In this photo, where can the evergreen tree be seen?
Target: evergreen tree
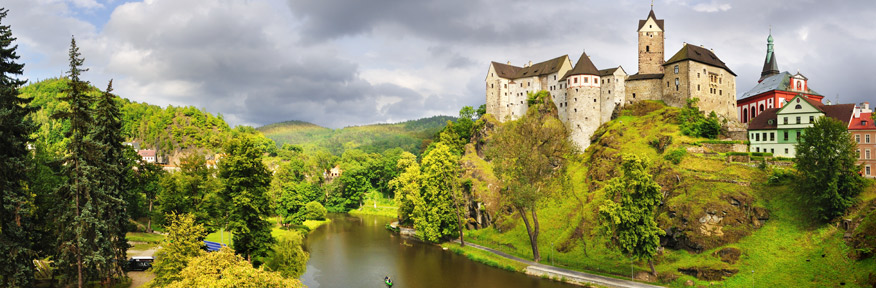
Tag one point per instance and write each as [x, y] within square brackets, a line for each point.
[79, 219]
[628, 217]
[16, 268]
[246, 184]
[113, 167]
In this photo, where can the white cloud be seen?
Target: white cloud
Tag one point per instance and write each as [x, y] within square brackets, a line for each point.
[711, 7]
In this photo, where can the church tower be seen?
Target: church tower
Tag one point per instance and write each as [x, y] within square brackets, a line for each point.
[770, 67]
[651, 45]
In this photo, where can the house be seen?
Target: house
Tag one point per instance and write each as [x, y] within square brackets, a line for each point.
[773, 89]
[147, 155]
[863, 131]
[776, 130]
[332, 174]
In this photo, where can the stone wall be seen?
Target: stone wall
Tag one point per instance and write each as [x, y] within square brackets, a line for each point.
[715, 88]
[638, 90]
[584, 114]
[612, 93]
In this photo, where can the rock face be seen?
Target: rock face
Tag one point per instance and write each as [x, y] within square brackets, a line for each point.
[708, 274]
[728, 255]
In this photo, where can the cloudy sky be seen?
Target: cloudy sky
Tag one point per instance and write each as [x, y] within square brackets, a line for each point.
[338, 63]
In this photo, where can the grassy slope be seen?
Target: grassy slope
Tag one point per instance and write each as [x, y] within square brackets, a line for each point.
[407, 135]
[776, 253]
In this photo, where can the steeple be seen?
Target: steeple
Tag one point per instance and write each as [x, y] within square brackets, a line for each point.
[770, 66]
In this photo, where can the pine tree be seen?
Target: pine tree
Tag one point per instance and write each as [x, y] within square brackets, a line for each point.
[113, 166]
[246, 185]
[16, 268]
[79, 219]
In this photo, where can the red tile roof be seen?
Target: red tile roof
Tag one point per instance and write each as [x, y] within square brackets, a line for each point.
[865, 122]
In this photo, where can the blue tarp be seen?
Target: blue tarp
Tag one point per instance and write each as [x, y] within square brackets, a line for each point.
[213, 246]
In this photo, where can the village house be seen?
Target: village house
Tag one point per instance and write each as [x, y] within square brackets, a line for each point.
[863, 131]
[776, 130]
[147, 155]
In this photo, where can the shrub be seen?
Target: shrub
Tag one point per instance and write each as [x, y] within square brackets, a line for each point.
[693, 123]
[314, 211]
[675, 155]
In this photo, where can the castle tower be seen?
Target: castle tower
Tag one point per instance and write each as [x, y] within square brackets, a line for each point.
[583, 97]
[651, 45]
[770, 67]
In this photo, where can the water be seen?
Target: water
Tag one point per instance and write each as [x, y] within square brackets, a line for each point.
[358, 251]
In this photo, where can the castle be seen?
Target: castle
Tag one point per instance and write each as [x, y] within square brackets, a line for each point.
[586, 97]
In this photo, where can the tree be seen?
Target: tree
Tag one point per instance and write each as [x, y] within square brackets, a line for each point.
[246, 184]
[183, 242]
[529, 156]
[16, 204]
[481, 110]
[692, 122]
[287, 257]
[628, 216]
[433, 213]
[225, 269]
[828, 175]
[80, 236]
[314, 211]
[407, 186]
[113, 167]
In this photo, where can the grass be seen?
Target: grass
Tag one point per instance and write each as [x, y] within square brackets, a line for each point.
[313, 224]
[485, 257]
[276, 231]
[144, 237]
[374, 204]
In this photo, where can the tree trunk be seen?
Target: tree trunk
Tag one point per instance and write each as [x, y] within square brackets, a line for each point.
[651, 263]
[149, 220]
[534, 236]
[532, 242]
[458, 219]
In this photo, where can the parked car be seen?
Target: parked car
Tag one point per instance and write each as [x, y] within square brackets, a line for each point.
[139, 263]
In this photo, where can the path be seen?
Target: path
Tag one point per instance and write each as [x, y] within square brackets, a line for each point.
[556, 272]
[138, 278]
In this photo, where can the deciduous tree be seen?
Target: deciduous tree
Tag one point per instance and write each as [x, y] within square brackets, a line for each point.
[529, 156]
[433, 213]
[183, 242]
[246, 184]
[827, 169]
[628, 216]
[407, 186]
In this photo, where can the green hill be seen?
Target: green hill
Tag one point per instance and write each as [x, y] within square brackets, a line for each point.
[731, 224]
[411, 136]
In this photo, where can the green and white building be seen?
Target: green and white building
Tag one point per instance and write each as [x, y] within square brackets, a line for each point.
[776, 130]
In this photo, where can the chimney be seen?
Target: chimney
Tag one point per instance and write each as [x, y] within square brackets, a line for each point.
[530, 64]
[509, 62]
[866, 105]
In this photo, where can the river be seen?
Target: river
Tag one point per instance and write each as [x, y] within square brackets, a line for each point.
[358, 251]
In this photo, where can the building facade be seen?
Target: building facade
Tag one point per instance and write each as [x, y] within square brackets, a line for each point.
[863, 132]
[776, 130]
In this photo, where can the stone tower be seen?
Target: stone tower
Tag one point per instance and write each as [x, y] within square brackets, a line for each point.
[582, 95]
[651, 45]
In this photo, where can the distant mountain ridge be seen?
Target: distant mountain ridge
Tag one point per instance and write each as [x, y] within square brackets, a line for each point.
[411, 136]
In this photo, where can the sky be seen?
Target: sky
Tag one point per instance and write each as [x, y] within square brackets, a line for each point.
[340, 63]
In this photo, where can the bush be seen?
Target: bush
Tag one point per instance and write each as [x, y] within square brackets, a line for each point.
[693, 123]
[675, 155]
[314, 211]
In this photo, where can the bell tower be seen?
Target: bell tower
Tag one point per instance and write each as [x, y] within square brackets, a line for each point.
[651, 44]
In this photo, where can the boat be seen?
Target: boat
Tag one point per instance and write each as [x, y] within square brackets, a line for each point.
[388, 282]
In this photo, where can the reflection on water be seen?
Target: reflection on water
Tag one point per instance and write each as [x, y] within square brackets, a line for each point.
[358, 251]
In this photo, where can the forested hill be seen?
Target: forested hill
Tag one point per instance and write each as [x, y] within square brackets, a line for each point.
[412, 136]
[167, 129]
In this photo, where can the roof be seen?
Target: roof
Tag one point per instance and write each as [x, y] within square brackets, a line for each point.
[609, 71]
[770, 67]
[856, 122]
[583, 67]
[638, 76]
[841, 112]
[542, 68]
[505, 71]
[762, 121]
[651, 15]
[781, 82]
[698, 54]
[146, 153]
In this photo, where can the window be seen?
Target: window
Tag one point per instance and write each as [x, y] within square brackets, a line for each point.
[634, 95]
[811, 119]
[785, 122]
[857, 138]
[867, 138]
[867, 154]
[506, 85]
[799, 86]
[698, 87]
[594, 100]
[676, 69]
[756, 137]
[698, 75]
[576, 79]
[648, 48]
[772, 150]
[867, 170]
[491, 85]
[772, 136]
[555, 77]
[676, 81]
[764, 136]
[585, 79]
[758, 149]
[528, 84]
[798, 119]
[786, 150]
[798, 135]
[786, 138]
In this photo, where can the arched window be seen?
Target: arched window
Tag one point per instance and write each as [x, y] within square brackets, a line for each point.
[761, 108]
[799, 85]
[798, 107]
[753, 113]
[744, 115]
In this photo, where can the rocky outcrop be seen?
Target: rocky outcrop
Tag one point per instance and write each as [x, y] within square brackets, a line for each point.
[708, 274]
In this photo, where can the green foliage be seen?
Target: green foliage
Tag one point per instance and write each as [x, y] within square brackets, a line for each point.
[16, 202]
[693, 123]
[628, 215]
[675, 155]
[482, 110]
[287, 257]
[407, 186]
[225, 269]
[246, 182]
[314, 211]
[194, 189]
[182, 243]
[433, 213]
[529, 156]
[827, 169]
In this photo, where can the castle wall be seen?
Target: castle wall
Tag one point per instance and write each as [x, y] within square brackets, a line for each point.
[612, 93]
[638, 90]
[715, 88]
[584, 113]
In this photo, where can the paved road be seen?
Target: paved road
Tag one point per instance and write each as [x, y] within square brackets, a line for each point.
[569, 274]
